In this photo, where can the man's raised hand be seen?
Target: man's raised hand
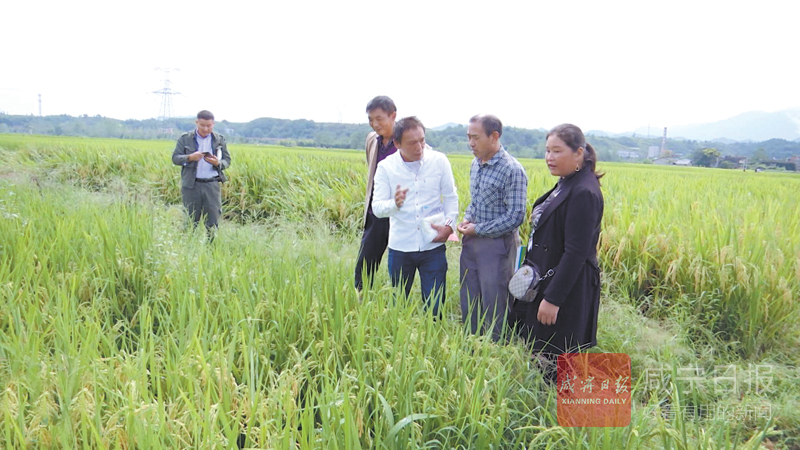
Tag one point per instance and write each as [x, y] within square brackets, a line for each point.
[400, 196]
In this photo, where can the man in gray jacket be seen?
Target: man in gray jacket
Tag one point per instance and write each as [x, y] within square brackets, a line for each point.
[203, 156]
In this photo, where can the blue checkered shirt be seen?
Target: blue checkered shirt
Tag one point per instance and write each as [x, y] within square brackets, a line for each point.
[498, 191]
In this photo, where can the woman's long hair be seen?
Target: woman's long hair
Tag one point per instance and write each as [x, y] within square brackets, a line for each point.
[574, 138]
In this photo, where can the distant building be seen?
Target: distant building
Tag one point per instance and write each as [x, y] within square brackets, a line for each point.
[683, 162]
[738, 161]
[653, 151]
[627, 154]
[784, 164]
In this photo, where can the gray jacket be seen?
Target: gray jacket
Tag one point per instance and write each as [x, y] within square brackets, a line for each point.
[187, 144]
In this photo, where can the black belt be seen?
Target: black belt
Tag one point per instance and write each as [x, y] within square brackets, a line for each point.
[206, 180]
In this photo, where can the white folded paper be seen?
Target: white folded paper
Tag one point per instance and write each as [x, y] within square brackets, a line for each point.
[428, 232]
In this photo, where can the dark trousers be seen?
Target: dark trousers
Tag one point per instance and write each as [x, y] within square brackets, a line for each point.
[373, 245]
[204, 199]
[486, 268]
[432, 266]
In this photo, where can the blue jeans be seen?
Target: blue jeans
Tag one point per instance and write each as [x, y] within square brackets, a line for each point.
[432, 266]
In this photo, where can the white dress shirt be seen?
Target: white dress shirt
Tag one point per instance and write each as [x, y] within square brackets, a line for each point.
[204, 169]
[431, 190]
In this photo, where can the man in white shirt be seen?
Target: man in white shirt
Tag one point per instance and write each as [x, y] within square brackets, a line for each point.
[414, 187]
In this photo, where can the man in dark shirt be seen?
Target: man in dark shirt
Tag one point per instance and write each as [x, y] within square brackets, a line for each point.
[382, 114]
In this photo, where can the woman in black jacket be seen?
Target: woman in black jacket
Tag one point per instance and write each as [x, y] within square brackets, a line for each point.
[565, 229]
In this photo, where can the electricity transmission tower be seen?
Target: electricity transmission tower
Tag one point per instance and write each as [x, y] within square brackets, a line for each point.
[166, 95]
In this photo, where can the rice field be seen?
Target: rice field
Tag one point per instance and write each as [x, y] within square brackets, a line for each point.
[122, 328]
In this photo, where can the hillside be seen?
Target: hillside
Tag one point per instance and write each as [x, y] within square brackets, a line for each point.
[449, 138]
[750, 126]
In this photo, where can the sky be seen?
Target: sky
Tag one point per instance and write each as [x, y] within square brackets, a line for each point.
[602, 65]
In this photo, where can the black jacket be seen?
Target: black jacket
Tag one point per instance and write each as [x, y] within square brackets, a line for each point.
[566, 241]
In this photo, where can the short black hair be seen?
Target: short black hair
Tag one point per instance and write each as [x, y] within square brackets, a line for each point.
[205, 115]
[406, 123]
[489, 122]
[381, 102]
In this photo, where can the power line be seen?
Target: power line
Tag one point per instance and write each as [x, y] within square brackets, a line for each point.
[166, 93]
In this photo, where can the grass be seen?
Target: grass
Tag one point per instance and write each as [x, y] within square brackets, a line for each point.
[123, 329]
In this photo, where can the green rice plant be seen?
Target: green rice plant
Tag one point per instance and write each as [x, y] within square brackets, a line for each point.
[123, 328]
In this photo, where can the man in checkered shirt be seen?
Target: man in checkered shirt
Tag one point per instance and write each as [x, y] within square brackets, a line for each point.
[498, 187]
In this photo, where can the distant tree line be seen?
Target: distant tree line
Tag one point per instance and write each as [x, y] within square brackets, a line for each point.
[519, 141]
